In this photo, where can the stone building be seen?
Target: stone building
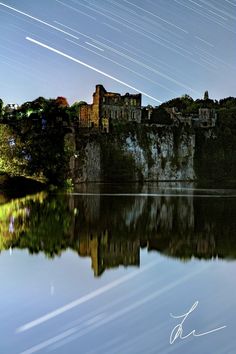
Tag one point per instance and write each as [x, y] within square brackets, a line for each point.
[108, 108]
[177, 117]
[10, 107]
[207, 117]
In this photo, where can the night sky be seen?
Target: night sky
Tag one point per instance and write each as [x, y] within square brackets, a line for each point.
[162, 48]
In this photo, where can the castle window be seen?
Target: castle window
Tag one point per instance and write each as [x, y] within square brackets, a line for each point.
[104, 100]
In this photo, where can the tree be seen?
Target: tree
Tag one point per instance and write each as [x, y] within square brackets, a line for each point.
[228, 102]
[74, 110]
[61, 102]
[1, 107]
[206, 95]
[13, 158]
[39, 103]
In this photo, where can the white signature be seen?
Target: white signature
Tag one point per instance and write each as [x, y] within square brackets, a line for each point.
[177, 331]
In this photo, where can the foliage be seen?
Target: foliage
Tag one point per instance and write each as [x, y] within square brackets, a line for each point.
[13, 157]
[39, 223]
[228, 102]
[32, 140]
[1, 107]
[61, 101]
[181, 103]
[160, 116]
[206, 95]
[187, 106]
[215, 156]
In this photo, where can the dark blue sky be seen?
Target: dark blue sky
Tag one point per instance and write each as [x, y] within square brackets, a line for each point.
[162, 48]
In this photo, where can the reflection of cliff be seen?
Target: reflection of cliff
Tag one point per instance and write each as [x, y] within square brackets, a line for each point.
[139, 216]
[111, 229]
[181, 226]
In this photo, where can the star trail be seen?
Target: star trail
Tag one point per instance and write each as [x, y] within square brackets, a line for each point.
[162, 48]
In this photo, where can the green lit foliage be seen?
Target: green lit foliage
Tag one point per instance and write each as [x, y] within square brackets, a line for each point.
[14, 219]
[39, 223]
[13, 157]
[32, 142]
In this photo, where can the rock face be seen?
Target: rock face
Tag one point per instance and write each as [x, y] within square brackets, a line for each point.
[162, 159]
[145, 154]
[87, 163]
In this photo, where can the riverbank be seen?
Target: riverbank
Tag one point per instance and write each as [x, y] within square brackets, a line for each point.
[18, 186]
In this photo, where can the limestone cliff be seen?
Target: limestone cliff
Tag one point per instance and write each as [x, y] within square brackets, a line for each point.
[86, 163]
[142, 153]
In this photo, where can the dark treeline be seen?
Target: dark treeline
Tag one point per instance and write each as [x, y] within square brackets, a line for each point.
[42, 107]
[187, 105]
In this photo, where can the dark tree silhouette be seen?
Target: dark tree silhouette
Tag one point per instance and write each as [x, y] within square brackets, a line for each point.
[206, 95]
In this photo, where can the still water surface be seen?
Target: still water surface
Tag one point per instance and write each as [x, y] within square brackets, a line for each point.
[100, 270]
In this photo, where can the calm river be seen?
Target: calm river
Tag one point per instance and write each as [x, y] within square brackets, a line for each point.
[119, 269]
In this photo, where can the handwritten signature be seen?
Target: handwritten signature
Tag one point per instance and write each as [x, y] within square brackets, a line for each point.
[177, 331]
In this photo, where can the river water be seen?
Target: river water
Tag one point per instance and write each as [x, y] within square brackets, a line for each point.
[110, 269]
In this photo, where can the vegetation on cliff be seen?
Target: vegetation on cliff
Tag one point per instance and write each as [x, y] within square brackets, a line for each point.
[33, 140]
[215, 155]
[215, 148]
[187, 105]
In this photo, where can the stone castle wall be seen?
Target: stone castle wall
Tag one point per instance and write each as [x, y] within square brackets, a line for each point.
[108, 107]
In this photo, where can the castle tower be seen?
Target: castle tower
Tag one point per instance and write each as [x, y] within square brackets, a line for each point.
[97, 103]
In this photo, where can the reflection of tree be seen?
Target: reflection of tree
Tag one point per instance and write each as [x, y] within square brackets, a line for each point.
[14, 219]
[41, 223]
[49, 226]
[112, 229]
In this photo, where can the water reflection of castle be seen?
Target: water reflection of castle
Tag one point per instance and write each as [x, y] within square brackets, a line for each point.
[107, 253]
[111, 230]
[114, 232]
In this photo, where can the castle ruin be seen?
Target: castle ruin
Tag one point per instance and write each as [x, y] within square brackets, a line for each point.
[108, 107]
